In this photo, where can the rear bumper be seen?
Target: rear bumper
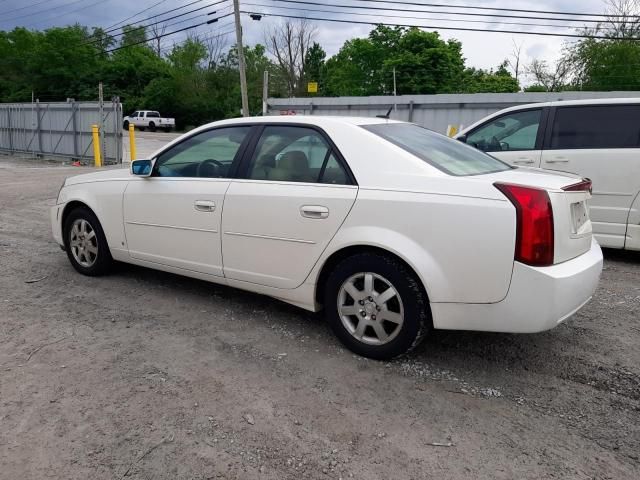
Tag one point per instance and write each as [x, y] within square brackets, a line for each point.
[539, 298]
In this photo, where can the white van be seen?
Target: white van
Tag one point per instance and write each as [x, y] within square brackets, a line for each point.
[597, 139]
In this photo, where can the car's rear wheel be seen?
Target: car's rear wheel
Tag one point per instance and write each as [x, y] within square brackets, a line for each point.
[376, 306]
[125, 125]
[86, 244]
[152, 126]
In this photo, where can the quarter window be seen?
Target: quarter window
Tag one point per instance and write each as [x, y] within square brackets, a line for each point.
[596, 126]
[208, 154]
[295, 154]
[511, 132]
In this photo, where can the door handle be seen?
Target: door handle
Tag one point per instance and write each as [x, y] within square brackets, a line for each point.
[204, 205]
[314, 211]
[523, 160]
[558, 160]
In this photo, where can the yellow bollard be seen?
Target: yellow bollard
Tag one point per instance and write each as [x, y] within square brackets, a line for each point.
[96, 146]
[132, 141]
[452, 130]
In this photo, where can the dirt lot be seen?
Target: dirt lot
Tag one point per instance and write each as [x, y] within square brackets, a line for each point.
[148, 375]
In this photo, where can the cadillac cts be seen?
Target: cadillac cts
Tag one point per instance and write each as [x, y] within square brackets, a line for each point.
[390, 228]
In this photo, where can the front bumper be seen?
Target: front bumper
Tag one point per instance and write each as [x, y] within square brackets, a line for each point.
[56, 223]
[539, 298]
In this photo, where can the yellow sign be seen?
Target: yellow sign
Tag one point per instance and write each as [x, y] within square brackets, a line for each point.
[312, 87]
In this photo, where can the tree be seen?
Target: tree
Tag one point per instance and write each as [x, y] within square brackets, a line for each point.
[289, 43]
[553, 78]
[157, 32]
[314, 66]
[133, 35]
[611, 63]
[514, 60]
[423, 62]
[482, 81]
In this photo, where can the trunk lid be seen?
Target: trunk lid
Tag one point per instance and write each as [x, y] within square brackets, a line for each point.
[571, 223]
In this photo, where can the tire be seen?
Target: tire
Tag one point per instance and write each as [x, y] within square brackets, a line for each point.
[404, 316]
[125, 125]
[95, 259]
[152, 127]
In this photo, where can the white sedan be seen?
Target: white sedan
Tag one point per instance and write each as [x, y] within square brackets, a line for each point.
[390, 228]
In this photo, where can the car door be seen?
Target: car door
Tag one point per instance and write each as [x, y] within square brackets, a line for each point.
[515, 137]
[173, 217]
[295, 192]
[600, 142]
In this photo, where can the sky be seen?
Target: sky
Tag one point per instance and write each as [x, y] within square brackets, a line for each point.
[480, 49]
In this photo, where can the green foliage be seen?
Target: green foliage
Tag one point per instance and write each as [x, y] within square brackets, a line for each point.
[607, 65]
[482, 81]
[536, 88]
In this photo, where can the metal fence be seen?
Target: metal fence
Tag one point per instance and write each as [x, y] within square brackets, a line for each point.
[436, 112]
[61, 129]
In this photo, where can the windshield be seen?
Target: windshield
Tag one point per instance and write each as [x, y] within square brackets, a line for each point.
[450, 156]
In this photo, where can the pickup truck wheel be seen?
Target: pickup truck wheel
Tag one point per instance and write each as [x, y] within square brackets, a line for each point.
[125, 125]
[376, 306]
[152, 127]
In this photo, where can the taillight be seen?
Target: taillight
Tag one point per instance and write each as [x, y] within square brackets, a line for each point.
[584, 186]
[534, 229]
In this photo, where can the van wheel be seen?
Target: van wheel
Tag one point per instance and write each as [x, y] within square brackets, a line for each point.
[85, 243]
[376, 306]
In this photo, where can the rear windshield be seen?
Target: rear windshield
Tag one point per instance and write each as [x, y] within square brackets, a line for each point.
[450, 156]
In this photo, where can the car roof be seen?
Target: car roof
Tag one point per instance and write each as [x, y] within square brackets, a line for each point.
[307, 119]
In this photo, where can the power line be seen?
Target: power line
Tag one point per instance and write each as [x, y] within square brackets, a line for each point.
[470, 7]
[142, 27]
[167, 34]
[434, 27]
[202, 39]
[4, 20]
[38, 22]
[170, 11]
[26, 6]
[500, 22]
[466, 14]
[140, 12]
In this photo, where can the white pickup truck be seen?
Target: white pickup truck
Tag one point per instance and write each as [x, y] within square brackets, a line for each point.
[148, 119]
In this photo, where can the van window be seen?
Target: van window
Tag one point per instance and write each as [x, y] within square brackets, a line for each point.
[511, 132]
[596, 126]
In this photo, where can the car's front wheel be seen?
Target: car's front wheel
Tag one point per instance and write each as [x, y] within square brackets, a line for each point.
[376, 306]
[85, 243]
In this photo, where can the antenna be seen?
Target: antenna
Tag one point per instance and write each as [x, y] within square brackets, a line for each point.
[386, 115]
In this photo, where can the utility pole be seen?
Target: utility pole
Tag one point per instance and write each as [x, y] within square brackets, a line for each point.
[241, 64]
[394, 89]
[265, 92]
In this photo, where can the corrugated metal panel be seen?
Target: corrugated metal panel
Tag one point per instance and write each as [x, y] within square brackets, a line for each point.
[432, 111]
[61, 129]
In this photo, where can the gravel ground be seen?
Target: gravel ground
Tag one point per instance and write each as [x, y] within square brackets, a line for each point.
[149, 375]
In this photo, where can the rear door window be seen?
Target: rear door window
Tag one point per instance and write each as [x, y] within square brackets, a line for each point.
[514, 131]
[596, 126]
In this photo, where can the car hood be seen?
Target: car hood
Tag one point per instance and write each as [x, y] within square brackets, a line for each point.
[120, 174]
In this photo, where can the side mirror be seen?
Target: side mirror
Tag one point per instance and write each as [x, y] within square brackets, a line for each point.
[142, 168]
